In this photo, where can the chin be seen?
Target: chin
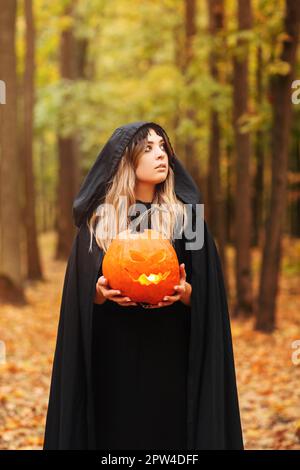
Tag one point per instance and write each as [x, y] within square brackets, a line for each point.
[161, 179]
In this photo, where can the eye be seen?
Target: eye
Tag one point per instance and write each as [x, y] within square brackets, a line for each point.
[158, 257]
[163, 145]
[136, 256]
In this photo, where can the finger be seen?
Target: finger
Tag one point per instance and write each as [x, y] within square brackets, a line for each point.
[182, 269]
[102, 284]
[123, 300]
[180, 289]
[171, 298]
[164, 304]
[100, 289]
[111, 293]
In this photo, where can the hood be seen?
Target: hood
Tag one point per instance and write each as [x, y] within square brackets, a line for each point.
[94, 185]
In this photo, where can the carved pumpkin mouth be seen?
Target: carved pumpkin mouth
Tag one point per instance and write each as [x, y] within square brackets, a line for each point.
[147, 280]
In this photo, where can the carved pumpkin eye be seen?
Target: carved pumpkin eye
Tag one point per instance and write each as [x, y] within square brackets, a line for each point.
[158, 257]
[136, 256]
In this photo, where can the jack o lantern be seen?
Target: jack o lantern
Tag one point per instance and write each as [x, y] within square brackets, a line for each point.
[143, 265]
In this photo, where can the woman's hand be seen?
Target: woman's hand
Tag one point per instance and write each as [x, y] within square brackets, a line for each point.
[104, 292]
[184, 290]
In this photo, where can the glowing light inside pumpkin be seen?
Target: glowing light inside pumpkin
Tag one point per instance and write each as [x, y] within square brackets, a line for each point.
[152, 278]
[145, 280]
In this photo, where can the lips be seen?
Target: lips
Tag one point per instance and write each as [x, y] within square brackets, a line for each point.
[161, 166]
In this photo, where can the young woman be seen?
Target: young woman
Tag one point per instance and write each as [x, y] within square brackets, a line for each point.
[129, 377]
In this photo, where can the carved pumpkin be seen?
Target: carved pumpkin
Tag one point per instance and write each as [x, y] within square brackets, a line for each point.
[144, 268]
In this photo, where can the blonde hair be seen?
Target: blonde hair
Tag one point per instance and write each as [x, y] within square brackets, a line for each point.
[123, 184]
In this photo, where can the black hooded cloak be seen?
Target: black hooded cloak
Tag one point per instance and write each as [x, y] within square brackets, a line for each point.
[212, 408]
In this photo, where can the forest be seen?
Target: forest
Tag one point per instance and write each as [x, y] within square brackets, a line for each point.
[223, 78]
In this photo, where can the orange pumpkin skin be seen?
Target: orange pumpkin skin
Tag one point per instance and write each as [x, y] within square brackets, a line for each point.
[142, 267]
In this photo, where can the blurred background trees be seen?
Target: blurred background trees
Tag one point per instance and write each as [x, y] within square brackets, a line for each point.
[217, 74]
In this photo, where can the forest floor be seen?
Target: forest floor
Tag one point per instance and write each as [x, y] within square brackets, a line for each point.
[268, 379]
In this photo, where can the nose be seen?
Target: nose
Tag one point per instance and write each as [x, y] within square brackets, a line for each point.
[160, 159]
[160, 153]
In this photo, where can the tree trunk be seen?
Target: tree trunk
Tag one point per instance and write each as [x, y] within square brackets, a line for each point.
[216, 206]
[179, 63]
[229, 198]
[11, 288]
[34, 270]
[294, 182]
[68, 165]
[282, 110]
[81, 49]
[244, 304]
[259, 157]
[191, 162]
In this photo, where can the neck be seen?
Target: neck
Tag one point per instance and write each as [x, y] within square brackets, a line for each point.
[144, 191]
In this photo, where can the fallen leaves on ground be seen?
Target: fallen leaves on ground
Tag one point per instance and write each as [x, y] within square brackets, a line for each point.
[268, 381]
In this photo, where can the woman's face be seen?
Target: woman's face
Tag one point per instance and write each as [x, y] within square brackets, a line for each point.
[155, 154]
